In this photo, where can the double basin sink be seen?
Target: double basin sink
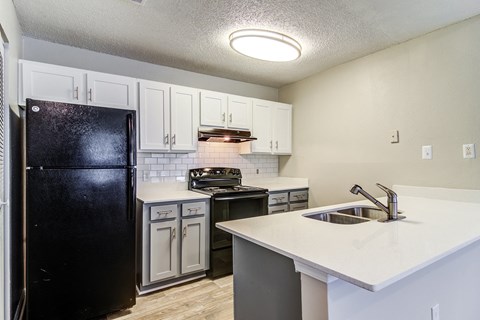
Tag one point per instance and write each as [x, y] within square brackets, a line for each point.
[349, 215]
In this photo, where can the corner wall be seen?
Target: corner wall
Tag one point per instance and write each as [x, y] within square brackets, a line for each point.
[427, 88]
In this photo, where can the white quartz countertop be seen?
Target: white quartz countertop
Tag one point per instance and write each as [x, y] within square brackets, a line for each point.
[165, 192]
[277, 183]
[371, 255]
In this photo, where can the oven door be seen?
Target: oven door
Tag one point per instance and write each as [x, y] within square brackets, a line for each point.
[225, 208]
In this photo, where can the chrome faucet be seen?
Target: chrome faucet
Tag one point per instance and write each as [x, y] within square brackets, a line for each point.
[392, 206]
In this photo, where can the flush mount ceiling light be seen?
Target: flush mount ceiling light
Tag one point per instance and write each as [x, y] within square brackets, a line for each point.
[265, 45]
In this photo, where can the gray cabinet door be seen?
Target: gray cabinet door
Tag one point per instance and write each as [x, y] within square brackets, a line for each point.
[193, 244]
[163, 250]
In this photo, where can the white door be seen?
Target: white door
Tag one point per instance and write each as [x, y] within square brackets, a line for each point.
[193, 244]
[262, 126]
[213, 109]
[184, 112]
[108, 90]
[163, 250]
[49, 82]
[239, 112]
[282, 129]
[154, 115]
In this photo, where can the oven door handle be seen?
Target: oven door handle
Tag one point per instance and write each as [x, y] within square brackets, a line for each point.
[242, 197]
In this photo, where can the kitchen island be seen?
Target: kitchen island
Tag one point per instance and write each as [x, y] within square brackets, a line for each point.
[291, 267]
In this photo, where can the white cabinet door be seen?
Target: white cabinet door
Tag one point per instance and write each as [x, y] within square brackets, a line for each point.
[262, 127]
[110, 90]
[154, 112]
[163, 250]
[213, 109]
[282, 129]
[49, 82]
[184, 112]
[239, 112]
[193, 244]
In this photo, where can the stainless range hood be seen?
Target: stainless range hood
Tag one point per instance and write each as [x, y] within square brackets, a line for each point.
[224, 135]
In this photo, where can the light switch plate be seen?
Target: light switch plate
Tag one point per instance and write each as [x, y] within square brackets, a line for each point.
[427, 152]
[469, 151]
[394, 136]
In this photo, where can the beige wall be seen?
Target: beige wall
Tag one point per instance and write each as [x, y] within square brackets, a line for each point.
[427, 88]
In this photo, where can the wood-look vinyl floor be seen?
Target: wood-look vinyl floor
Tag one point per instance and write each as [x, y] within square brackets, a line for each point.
[203, 299]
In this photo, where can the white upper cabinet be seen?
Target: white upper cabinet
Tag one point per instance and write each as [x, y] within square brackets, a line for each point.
[168, 117]
[282, 129]
[154, 115]
[225, 111]
[49, 82]
[56, 83]
[213, 109]
[239, 112]
[272, 126]
[184, 114]
[111, 90]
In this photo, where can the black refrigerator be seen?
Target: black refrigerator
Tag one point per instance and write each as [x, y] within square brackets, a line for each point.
[80, 210]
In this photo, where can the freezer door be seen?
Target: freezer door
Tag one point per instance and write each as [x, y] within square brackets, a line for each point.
[70, 135]
[80, 243]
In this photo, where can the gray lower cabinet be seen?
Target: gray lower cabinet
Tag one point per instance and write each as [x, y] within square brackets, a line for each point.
[163, 250]
[287, 200]
[172, 242]
[193, 244]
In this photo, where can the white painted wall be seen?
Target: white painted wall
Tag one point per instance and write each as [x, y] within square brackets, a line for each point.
[48, 52]
[10, 33]
[427, 88]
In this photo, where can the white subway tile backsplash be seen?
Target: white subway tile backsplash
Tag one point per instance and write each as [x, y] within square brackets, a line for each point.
[169, 167]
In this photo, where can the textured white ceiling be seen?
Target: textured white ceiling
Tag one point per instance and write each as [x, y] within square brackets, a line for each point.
[193, 34]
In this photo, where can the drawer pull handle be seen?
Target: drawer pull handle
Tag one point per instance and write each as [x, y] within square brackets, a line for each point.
[193, 209]
[278, 198]
[164, 212]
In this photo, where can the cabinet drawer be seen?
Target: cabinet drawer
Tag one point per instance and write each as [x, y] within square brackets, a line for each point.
[298, 206]
[193, 209]
[278, 198]
[299, 195]
[163, 212]
[278, 209]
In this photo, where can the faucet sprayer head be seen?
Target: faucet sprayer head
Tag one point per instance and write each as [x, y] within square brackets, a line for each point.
[355, 189]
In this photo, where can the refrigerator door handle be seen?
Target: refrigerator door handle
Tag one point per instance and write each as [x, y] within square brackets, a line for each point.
[131, 140]
[132, 194]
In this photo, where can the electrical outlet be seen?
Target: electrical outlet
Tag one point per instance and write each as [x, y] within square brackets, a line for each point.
[394, 136]
[469, 151]
[427, 152]
[435, 312]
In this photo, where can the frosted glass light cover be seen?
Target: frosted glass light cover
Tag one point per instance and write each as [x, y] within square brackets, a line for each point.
[265, 45]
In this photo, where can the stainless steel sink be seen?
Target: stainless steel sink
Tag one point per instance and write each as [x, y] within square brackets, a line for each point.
[350, 215]
[365, 212]
[334, 217]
